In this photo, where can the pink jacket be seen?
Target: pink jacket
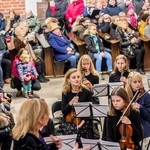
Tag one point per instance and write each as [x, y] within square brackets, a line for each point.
[14, 68]
[74, 9]
[132, 19]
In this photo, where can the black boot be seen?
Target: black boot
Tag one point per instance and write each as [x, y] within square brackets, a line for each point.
[40, 78]
[46, 79]
[141, 71]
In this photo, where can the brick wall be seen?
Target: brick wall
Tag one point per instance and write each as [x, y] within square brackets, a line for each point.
[17, 5]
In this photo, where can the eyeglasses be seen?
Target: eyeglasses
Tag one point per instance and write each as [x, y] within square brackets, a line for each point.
[106, 18]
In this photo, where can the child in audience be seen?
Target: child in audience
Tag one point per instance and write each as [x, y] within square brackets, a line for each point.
[96, 49]
[26, 72]
[132, 17]
[121, 69]
[142, 105]
[120, 100]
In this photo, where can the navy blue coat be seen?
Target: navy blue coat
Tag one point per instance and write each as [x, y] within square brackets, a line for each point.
[59, 46]
[2, 24]
[144, 102]
[112, 10]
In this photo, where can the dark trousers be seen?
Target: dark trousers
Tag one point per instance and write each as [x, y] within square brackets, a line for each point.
[40, 66]
[139, 55]
[35, 84]
[6, 66]
[5, 142]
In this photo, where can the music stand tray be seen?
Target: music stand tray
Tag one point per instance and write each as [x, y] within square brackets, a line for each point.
[100, 144]
[68, 141]
[100, 90]
[113, 85]
[90, 110]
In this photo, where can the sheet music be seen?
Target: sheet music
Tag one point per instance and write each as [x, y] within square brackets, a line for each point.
[109, 145]
[100, 110]
[104, 145]
[100, 90]
[82, 109]
[113, 85]
[68, 141]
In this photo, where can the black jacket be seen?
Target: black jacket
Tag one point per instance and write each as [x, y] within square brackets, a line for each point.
[31, 142]
[91, 45]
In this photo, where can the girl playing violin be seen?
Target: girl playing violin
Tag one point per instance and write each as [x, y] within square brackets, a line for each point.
[74, 92]
[89, 74]
[119, 100]
[121, 69]
[135, 83]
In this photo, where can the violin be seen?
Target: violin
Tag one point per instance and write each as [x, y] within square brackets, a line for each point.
[71, 117]
[88, 85]
[126, 132]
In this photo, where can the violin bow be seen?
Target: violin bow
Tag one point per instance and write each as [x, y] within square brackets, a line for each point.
[128, 106]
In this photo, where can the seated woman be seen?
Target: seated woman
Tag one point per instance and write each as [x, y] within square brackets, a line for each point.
[21, 41]
[120, 100]
[10, 21]
[63, 50]
[74, 92]
[121, 70]
[147, 28]
[130, 44]
[142, 105]
[96, 49]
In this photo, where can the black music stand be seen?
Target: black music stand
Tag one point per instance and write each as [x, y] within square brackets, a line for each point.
[100, 144]
[68, 141]
[90, 110]
[113, 85]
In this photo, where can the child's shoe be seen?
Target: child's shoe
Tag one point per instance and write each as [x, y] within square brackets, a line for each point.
[25, 95]
[30, 95]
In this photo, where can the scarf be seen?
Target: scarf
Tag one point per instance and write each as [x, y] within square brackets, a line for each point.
[53, 9]
[95, 39]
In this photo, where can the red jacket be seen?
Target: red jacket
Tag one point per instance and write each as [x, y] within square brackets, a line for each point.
[74, 9]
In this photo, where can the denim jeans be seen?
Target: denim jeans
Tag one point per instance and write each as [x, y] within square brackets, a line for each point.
[73, 60]
[99, 61]
[1, 71]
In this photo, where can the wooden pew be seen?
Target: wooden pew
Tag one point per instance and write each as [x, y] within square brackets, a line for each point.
[78, 42]
[146, 44]
[53, 68]
[115, 47]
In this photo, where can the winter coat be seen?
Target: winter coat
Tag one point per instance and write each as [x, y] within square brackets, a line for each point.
[34, 24]
[2, 24]
[112, 30]
[138, 4]
[132, 19]
[62, 5]
[104, 27]
[112, 10]
[91, 45]
[147, 31]
[14, 67]
[74, 9]
[144, 102]
[59, 46]
[58, 14]
[141, 27]
[31, 142]
[79, 30]
[26, 69]
[124, 42]
[10, 23]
